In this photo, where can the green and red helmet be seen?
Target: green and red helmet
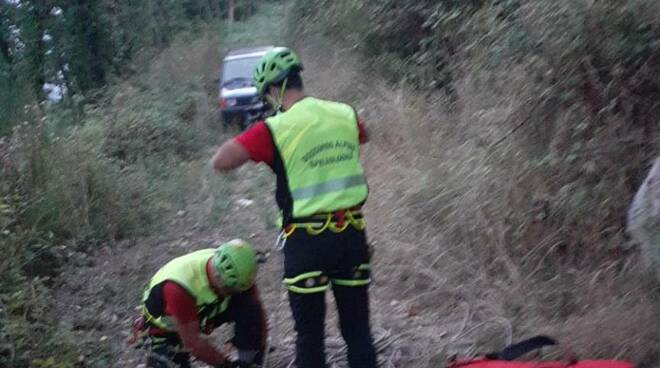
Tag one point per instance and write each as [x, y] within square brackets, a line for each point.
[236, 265]
[274, 67]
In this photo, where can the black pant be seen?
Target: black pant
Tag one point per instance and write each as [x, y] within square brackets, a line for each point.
[337, 256]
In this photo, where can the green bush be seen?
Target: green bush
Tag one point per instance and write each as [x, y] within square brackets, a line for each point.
[27, 334]
[69, 189]
[14, 95]
[152, 125]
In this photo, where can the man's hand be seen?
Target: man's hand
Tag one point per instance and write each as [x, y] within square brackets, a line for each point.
[194, 342]
[237, 364]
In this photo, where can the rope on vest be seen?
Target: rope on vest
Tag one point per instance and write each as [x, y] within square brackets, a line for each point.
[140, 336]
[149, 318]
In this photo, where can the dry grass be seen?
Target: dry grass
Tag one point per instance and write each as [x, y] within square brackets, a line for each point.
[476, 245]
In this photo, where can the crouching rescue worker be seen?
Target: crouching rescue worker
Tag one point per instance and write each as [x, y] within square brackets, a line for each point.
[312, 145]
[194, 294]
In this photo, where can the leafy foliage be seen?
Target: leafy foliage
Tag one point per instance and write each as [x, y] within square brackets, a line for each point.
[78, 45]
[102, 164]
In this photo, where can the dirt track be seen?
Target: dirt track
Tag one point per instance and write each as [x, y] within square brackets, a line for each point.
[98, 295]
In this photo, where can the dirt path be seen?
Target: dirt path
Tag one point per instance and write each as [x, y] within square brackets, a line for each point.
[97, 295]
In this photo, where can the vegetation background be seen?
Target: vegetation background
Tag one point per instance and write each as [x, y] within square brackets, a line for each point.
[508, 138]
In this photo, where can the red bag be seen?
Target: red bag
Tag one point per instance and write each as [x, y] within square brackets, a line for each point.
[488, 363]
[504, 359]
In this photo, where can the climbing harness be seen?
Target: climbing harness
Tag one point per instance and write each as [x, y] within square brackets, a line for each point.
[317, 281]
[336, 222]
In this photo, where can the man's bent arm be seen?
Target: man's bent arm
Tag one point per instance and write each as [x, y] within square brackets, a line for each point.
[229, 156]
[197, 345]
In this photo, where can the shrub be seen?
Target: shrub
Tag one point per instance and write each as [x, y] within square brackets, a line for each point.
[27, 336]
[152, 125]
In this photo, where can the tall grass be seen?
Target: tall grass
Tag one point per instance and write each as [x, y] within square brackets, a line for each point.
[501, 130]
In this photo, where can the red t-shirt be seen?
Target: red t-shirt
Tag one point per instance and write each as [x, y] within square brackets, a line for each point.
[259, 145]
[178, 303]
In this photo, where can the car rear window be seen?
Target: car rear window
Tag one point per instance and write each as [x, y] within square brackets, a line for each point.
[239, 68]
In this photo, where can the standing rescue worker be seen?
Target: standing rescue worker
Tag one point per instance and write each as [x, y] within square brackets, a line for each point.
[196, 293]
[312, 145]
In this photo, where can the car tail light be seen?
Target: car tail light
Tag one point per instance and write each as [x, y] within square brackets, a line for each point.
[227, 102]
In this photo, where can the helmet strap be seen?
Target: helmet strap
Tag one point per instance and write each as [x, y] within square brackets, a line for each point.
[276, 101]
[271, 102]
[280, 101]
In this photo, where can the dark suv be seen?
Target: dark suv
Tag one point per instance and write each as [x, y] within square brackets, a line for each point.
[238, 100]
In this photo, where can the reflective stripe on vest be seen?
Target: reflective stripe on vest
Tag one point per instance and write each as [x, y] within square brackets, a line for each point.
[189, 272]
[319, 146]
[327, 187]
